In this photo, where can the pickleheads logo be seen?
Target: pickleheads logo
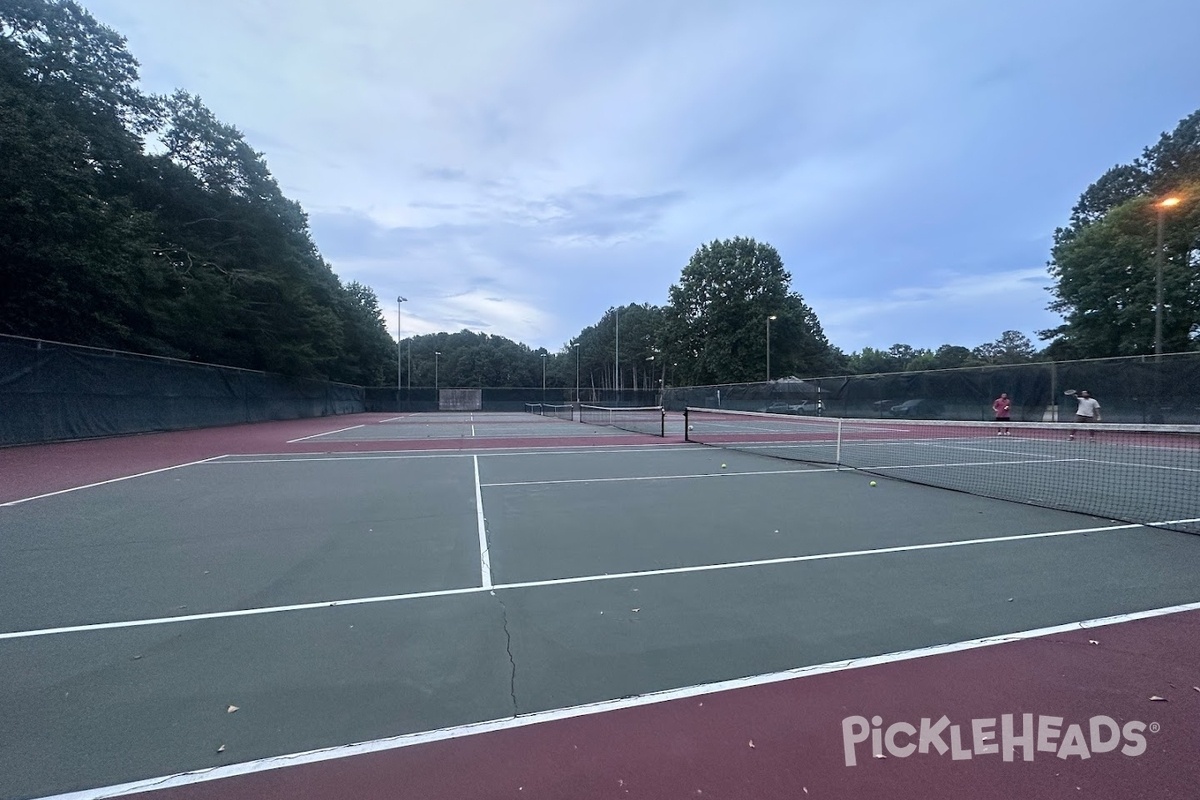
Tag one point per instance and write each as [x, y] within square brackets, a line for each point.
[983, 737]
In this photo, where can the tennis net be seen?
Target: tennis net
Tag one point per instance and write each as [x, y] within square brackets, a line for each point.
[558, 411]
[639, 419]
[1144, 474]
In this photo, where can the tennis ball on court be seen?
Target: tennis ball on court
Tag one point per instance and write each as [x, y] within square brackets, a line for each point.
[722, 466]
[872, 483]
[691, 427]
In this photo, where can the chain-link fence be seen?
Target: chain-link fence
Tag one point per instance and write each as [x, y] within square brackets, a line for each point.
[1141, 389]
[426, 398]
[52, 392]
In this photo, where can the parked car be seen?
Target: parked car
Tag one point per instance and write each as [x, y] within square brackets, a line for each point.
[918, 409]
[802, 407]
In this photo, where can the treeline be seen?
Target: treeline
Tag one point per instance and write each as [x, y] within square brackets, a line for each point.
[144, 223]
[1013, 347]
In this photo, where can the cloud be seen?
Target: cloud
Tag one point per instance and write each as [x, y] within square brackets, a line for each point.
[958, 309]
[544, 161]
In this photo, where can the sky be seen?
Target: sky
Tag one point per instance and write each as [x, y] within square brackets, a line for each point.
[520, 167]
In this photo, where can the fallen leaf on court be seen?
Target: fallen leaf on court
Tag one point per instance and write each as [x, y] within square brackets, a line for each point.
[751, 744]
[880, 755]
[1092, 641]
[1010, 599]
[1197, 688]
[135, 658]
[231, 709]
[221, 749]
[635, 610]
[1156, 697]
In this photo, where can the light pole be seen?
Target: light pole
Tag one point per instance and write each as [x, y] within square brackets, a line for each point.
[651, 359]
[1162, 206]
[769, 346]
[399, 358]
[435, 369]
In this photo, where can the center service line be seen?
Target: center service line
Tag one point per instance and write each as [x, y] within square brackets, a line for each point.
[485, 561]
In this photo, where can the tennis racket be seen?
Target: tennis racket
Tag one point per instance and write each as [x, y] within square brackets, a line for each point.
[1070, 393]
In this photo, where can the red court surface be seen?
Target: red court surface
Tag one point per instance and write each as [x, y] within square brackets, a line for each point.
[39, 469]
[785, 740]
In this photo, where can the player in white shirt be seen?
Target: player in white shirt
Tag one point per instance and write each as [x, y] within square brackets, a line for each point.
[1088, 410]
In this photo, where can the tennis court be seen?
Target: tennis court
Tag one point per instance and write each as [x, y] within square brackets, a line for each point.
[407, 588]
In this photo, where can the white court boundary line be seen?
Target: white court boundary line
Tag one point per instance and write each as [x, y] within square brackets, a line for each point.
[232, 459]
[442, 452]
[1142, 466]
[106, 482]
[326, 433]
[797, 471]
[590, 709]
[248, 612]
[485, 559]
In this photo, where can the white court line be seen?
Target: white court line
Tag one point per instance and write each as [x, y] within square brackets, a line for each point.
[492, 452]
[977, 464]
[567, 581]
[983, 449]
[796, 471]
[110, 480]
[326, 433]
[1141, 466]
[603, 706]
[485, 561]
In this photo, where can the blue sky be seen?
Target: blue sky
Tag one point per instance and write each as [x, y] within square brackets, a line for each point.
[518, 167]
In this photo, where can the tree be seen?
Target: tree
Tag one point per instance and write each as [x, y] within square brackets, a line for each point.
[1103, 263]
[1106, 281]
[716, 322]
[949, 356]
[1013, 347]
[193, 253]
[870, 361]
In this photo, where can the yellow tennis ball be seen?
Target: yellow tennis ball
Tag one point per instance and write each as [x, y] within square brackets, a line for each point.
[722, 466]
[872, 483]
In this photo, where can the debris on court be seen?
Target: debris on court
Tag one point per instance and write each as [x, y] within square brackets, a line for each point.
[221, 749]
[1160, 699]
[231, 709]
[1092, 641]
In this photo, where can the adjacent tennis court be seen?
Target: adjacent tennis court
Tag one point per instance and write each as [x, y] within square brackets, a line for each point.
[357, 585]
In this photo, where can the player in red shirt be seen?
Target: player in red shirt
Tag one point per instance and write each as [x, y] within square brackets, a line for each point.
[1003, 408]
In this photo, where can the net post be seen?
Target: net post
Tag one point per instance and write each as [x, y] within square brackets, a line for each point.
[686, 425]
[663, 430]
[838, 457]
